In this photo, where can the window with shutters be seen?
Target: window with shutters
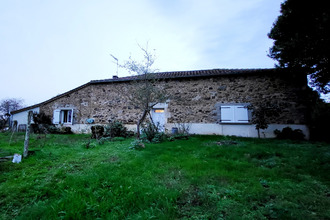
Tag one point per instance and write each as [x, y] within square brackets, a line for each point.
[234, 114]
[63, 116]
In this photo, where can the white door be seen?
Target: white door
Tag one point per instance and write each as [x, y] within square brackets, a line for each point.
[158, 116]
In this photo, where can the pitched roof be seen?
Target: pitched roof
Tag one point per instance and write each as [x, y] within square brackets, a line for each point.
[162, 75]
[191, 74]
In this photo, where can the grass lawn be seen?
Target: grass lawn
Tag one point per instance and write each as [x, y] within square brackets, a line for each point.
[205, 177]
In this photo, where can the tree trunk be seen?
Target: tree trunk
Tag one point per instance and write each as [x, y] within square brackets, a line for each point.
[140, 121]
[27, 135]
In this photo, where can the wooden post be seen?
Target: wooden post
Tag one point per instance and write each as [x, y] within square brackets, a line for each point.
[27, 135]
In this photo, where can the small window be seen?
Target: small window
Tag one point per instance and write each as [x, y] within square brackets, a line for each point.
[66, 116]
[63, 116]
[234, 114]
[159, 110]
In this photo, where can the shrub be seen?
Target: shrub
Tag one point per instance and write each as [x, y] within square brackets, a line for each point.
[137, 144]
[65, 130]
[97, 131]
[42, 118]
[39, 129]
[150, 133]
[43, 125]
[115, 129]
[52, 129]
[288, 133]
[262, 113]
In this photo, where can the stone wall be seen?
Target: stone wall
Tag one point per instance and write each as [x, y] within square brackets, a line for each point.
[193, 100]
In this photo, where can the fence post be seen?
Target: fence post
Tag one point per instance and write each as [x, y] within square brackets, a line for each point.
[27, 135]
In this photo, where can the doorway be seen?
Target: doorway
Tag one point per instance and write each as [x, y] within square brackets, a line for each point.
[158, 117]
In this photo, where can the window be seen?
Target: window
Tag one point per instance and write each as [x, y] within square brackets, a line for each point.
[159, 110]
[63, 116]
[234, 114]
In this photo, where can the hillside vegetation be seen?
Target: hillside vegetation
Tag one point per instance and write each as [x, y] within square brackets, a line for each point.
[205, 177]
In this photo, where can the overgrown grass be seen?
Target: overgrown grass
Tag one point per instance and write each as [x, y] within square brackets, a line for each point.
[205, 177]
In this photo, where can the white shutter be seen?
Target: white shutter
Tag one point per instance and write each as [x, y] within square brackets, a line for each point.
[56, 116]
[70, 116]
[241, 114]
[227, 114]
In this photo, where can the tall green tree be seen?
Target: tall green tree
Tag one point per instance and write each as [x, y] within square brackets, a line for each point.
[301, 35]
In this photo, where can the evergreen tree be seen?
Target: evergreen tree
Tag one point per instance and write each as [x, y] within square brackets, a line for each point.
[301, 35]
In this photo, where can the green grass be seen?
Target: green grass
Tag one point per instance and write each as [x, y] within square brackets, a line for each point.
[205, 177]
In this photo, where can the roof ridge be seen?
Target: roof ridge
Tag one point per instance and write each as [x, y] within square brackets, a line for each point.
[189, 73]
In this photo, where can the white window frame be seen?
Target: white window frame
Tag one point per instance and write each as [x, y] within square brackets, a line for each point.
[234, 113]
[59, 116]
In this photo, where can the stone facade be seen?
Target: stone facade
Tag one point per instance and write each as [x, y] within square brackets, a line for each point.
[196, 98]
[192, 100]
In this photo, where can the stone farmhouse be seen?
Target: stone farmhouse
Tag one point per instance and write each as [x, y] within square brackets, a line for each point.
[209, 101]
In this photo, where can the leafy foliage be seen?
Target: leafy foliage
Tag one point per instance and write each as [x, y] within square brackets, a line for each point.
[115, 129]
[97, 131]
[262, 113]
[43, 125]
[151, 133]
[137, 144]
[289, 133]
[301, 35]
[42, 118]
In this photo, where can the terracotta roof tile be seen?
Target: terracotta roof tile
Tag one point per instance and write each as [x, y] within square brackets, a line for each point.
[190, 74]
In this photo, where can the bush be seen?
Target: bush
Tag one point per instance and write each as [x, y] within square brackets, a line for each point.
[115, 129]
[137, 145]
[50, 129]
[38, 129]
[151, 134]
[288, 133]
[65, 130]
[43, 125]
[97, 131]
[42, 118]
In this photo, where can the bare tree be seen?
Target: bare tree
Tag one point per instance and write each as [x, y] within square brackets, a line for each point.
[146, 91]
[9, 105]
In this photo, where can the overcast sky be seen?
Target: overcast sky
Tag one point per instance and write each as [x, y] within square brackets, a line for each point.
[50, 47]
